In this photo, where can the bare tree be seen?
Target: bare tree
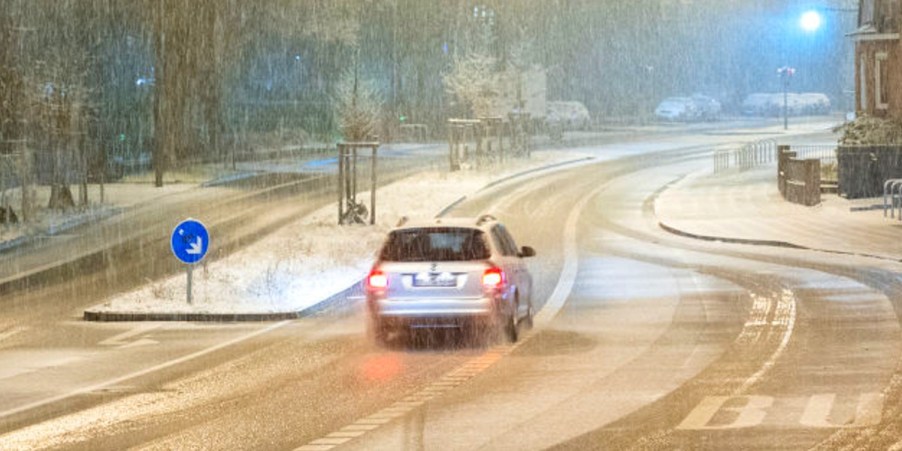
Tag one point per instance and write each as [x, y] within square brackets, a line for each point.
[357, 107]
[11, 86]
[61, 118]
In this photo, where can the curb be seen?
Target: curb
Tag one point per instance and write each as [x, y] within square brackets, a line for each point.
[769, 243]
[532, 171]
[337, 301]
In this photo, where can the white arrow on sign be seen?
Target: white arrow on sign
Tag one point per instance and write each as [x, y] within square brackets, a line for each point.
[196, 247]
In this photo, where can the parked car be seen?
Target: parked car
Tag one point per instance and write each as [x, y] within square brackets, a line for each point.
[450, 273]
[708, 107]
[771, 104]
[688, 109]
[567, 115]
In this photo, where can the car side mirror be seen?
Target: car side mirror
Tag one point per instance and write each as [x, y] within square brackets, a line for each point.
[527, 251]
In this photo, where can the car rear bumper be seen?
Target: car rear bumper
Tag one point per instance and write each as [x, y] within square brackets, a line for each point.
[434, 308]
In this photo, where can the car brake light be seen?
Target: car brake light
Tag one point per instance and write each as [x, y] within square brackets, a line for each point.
[377, 279]
[492, 278]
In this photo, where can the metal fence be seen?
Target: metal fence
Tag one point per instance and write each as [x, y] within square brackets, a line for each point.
[826, 153]
[746, 157]
[765, 152]
[864, 170]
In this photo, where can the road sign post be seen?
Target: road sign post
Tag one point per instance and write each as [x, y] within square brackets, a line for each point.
[190, 242]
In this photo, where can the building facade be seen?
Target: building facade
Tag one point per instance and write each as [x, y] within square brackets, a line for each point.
[878, 58]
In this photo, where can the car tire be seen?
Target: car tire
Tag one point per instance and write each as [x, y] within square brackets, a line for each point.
[528, 322]
[511, 330]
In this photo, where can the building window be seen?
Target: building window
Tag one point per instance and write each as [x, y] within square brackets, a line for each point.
[863, 84]
[881, 93]
[865, 13]
[886, 17]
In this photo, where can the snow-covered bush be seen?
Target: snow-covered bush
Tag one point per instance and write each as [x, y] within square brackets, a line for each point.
[570, 115]
[867, 130]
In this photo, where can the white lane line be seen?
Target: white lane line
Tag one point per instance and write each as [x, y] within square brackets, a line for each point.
[346, 434]
[785, 315]
[120, 379]
[571, 262]
[316, 447]
[13, 331]
[360, 427]
[38, 364]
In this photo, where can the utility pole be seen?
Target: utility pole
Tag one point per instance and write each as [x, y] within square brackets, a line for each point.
[786, 73]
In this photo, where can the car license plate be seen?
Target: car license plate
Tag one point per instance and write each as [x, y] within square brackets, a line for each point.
[434, 279]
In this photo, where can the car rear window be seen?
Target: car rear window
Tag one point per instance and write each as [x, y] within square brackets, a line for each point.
[435, 244]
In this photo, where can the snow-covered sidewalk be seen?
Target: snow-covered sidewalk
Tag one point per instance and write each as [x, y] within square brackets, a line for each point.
[747, 207]
[311, 259]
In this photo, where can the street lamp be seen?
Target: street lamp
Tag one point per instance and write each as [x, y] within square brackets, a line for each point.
[786, 74]
[810, 21]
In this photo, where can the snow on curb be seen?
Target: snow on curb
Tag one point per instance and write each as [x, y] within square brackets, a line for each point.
[310, 260]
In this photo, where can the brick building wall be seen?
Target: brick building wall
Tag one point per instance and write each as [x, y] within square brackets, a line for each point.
[866, 66]
[878, 58]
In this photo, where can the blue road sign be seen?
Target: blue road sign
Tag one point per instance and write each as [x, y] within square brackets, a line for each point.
[190, 241]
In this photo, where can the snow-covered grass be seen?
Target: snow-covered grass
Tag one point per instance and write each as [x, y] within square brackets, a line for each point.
[116, 196]
[312, 258]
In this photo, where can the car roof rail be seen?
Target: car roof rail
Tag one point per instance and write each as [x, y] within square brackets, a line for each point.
[402, 221]
[484, 219]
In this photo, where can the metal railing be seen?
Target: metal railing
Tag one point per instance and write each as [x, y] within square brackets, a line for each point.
[891, 198]
[824, 152]
[746, 157]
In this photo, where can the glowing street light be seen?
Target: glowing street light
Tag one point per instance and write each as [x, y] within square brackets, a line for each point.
[810, 21]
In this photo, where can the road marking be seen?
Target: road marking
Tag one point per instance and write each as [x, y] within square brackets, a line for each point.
[571, 262]
[785, 316]
[750, 414]
[12, 331]
[351, 434]
[122, 341]
[817, 411]
[161, 366]
[36, 364]
[753, 412]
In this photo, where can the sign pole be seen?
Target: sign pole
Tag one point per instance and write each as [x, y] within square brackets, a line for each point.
[190, 267]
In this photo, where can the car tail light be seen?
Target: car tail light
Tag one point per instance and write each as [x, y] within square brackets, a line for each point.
[377, 280]
[493, 278]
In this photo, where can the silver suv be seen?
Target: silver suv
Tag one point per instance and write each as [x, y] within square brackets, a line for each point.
[450, 273]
